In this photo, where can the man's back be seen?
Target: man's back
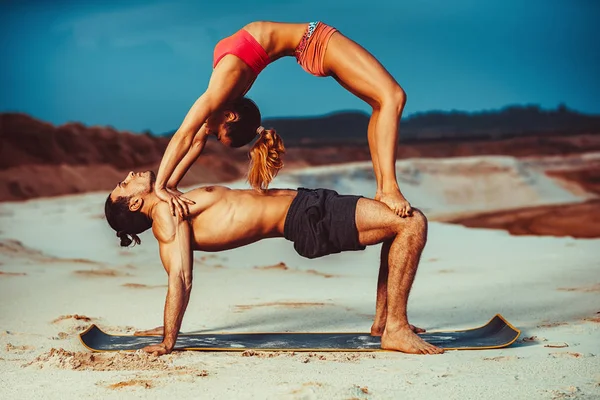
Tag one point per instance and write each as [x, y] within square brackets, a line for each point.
[223, 218]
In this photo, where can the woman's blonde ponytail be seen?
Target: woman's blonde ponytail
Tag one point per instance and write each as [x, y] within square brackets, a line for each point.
[265, 159]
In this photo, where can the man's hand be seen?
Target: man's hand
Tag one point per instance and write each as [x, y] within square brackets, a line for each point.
[178, 204]
[158, 349]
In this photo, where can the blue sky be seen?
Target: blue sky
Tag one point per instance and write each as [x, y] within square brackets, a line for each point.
[139, 65]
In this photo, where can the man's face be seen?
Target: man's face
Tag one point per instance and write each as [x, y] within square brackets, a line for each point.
[134, 184]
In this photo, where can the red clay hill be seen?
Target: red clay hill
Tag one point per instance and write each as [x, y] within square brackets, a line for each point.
[38, 159]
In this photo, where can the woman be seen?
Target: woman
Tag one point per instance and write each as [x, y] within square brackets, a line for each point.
[321, 50]
[235, 125]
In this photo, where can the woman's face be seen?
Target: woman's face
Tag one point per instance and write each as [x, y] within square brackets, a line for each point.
[216, 125]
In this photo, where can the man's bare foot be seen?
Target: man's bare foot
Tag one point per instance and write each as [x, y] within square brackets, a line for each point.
[159, 331]
[406, 341]
[396, 202]
[378, 330]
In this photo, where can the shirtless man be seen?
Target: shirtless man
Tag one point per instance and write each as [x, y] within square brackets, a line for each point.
[318, 222]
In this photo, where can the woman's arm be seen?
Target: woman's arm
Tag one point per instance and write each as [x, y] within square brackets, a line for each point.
[182, 140]
[179, 146]
[189, 159]
[230, 79]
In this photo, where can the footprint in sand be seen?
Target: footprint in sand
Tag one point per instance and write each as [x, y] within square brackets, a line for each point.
[533, 339]
[593, 319]
[566, 355]
[2, 273]
[121, 361]
[11, 348]
[133, 382]
[60, 336]
[142, 286]
[583, 289]
[72, 316]
[281, 266]
[556, 345]
[245, 307]
[15, 249]
[323, 274]
[71, 322]
[551, 324]
[502, 358]
[104, 272]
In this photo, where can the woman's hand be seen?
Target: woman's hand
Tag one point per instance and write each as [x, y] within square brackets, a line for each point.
[178, 203]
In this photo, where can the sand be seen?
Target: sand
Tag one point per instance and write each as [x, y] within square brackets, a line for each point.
[62, 269]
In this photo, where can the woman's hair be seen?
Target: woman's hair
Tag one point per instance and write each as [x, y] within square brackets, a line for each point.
[243, 129]
[127, 223]
[265, 159]
[265, 154]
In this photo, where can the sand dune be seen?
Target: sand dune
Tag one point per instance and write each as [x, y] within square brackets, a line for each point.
[533, 196]
[580, 220]
[38, 159]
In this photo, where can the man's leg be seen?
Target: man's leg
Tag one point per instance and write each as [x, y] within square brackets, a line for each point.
[406, 239]
[381, 304]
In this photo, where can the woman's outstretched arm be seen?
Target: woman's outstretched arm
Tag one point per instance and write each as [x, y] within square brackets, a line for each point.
[230, 79]
[192, 155]
[181, 142]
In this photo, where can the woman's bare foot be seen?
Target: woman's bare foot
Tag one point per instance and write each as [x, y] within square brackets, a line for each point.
[396, 202]
[159, 331]
[378, 330]
[406, 341]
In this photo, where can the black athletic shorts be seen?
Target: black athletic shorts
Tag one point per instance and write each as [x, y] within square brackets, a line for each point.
[322, 222]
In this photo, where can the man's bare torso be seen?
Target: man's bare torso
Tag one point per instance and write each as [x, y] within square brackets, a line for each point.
[223, 218]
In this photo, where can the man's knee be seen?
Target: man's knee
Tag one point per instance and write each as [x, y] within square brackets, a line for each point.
[419, 220]
[415, 225]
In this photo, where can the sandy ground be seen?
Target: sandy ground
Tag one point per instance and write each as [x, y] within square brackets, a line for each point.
[61, 269]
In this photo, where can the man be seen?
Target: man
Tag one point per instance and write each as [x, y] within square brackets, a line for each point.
[319, 222]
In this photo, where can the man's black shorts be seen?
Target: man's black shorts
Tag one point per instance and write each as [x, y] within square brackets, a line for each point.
[322, 222]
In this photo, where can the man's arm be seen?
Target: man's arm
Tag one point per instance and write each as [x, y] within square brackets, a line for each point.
[176, 254]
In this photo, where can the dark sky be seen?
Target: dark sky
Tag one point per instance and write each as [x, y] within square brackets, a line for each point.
[140, 65]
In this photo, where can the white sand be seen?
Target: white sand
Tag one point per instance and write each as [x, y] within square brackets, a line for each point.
[548, 287]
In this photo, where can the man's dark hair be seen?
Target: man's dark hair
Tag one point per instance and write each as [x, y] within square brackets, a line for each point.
[127, 223]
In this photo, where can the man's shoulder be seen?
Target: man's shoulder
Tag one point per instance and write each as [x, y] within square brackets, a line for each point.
[164, 224]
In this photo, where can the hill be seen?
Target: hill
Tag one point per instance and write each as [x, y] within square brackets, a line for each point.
[40, 159]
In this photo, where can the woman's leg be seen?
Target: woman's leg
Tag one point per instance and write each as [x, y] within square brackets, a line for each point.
[363, 75]
[372, 138]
